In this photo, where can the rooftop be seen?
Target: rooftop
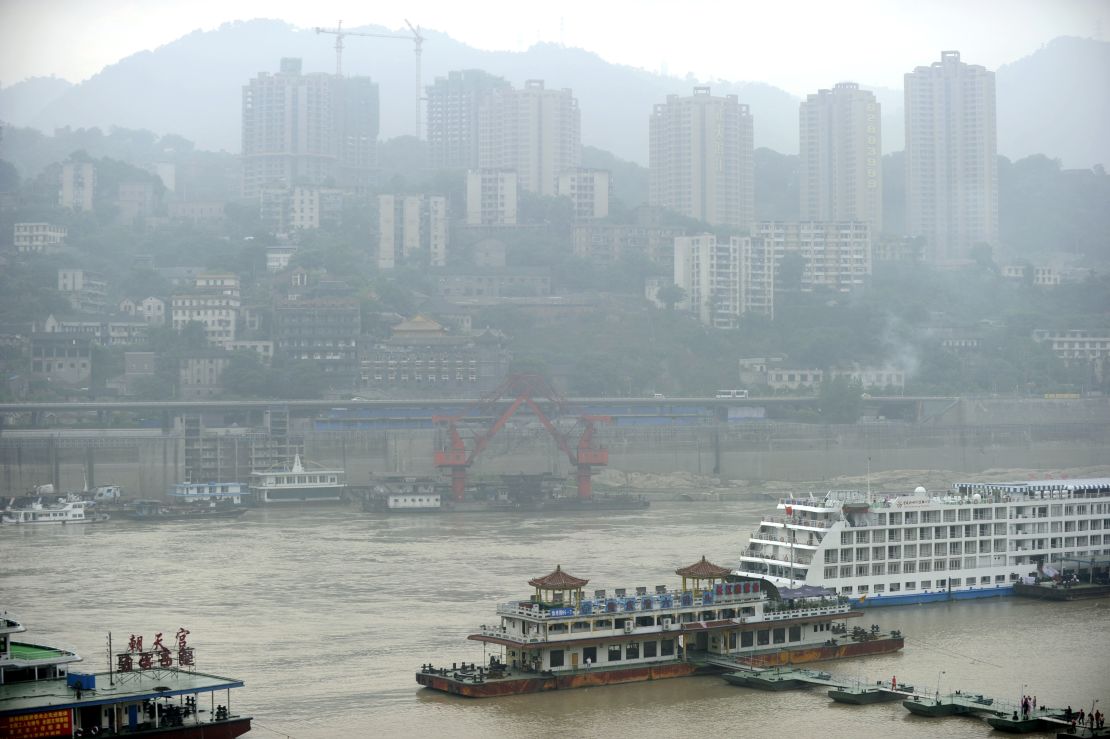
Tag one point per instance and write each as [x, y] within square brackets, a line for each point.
[45, 695]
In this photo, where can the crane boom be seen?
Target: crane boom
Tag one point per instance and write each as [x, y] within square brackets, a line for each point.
[416, 38]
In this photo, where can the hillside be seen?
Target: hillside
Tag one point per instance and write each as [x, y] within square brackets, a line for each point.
[1052, 102]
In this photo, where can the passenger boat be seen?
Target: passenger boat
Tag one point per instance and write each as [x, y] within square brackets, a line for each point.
[145, 695]
[296, 483]
[513, 493]
[218, 493]
[62, 512]
[976, 541]
[559, 638]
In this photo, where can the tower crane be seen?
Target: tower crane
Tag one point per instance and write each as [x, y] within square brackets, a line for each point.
[418, 43]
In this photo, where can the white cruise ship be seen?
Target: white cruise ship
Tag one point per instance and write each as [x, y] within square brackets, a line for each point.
[889, 549]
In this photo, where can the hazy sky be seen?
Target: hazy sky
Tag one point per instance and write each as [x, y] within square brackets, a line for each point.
[798, 45]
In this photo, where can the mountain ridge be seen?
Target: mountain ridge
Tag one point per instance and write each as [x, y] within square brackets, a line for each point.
[192, 87]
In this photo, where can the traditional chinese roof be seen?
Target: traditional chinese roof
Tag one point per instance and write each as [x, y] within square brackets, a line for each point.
[703, 569]
[558, 580]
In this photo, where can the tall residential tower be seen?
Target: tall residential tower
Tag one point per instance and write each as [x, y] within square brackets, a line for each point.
[951, 158]
[534, 131]
[840, 141]
[453, 104]
[700, 158]
[308, 129]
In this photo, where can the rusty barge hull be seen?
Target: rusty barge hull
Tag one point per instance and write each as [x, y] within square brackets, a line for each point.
[532, 683]
[805, 655]
[579, 679]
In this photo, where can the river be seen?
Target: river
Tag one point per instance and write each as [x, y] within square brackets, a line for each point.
[326, 613]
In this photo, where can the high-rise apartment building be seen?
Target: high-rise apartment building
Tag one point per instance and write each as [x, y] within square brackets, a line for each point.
[77, 186]
[709, 272]
[307, 128]
[534, 131]
[491, 196]
[453, 104]
[840, 141]
[951, 157]
[409, 225]
[700, 158]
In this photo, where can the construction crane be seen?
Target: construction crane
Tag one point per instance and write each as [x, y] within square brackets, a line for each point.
[525, 389]
[416, 38]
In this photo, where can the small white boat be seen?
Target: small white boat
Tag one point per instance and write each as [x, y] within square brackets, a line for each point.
[72, 511]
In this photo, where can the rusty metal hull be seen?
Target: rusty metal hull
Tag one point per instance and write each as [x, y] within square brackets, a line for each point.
[579, 679]
[531, 683]
[823, 653]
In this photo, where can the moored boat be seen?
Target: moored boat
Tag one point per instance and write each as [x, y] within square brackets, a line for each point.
[146, 695]
[156, 510]
[559, 638]
[62, 512]
[975, 541]
[297, 483]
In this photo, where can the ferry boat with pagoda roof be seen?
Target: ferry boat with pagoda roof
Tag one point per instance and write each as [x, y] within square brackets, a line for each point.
[975, 541]
[145, 695]
[561, 638]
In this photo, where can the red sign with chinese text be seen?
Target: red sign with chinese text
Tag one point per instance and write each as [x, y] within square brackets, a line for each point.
[37, 725]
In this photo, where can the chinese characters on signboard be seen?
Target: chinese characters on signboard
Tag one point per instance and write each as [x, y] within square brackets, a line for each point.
[137, 657]
[37, 725]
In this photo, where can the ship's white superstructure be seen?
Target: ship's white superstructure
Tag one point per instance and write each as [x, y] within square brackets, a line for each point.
[974, 541]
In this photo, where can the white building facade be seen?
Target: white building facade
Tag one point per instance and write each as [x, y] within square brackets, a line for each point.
[841, 169]
[700, 158]
[951, 158]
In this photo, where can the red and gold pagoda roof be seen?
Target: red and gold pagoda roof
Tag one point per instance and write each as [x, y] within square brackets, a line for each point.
[702, 570]
[558, 580]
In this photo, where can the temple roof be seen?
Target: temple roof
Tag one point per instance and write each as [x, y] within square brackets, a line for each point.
[703, 569]
[558, 580]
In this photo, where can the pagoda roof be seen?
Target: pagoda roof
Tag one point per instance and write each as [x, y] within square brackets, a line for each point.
[558, 580]
[703, 569]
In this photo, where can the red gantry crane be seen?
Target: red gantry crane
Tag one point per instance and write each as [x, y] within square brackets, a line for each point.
[526, 390]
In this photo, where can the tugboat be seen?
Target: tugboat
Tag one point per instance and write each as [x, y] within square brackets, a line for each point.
[559, 638]
[145, 694]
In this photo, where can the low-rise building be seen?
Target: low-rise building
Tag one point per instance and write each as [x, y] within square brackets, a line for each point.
[412, 229]
[324, 331]
[197, 212]
[870, 378]
[421, 357]
[86, 290]
[120, 330]
[588, 190]
[200, 375]
[278, 257]
[38, 238]
[836, 254]
[77, 186]
[1041, 276]
[1074, 344]
[495, 282]
[491, 197]
[135, 201]
[61, 358]
[263, 349]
